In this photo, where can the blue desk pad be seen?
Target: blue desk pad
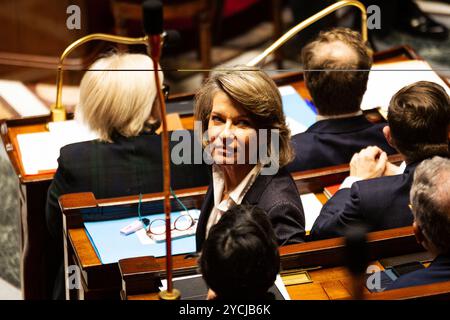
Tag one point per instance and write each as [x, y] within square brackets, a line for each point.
[111, 246]
[297, 108]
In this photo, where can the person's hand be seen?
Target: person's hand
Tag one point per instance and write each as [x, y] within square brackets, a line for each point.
[368, 163]
[211, 295]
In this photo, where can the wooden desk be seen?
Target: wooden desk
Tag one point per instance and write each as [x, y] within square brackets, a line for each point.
[324, 261]
[103, 280]
[33, 189]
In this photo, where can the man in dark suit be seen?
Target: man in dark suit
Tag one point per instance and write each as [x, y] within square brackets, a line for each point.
[430, 203]
[418, 117]
[337, 68]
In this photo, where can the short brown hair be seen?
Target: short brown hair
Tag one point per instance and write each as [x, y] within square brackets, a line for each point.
[418, 116]
[254, 91]
[337, 86]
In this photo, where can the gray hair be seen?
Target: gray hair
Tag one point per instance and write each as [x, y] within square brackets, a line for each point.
[430, 200]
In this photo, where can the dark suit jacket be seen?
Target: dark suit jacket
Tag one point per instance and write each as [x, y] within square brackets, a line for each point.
[438, 271]
[128, 166]
[380, 203]
[332, 142]
[278, 196]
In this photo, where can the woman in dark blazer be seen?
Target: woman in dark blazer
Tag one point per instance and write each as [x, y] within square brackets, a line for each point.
[120, 107]
[247, 141]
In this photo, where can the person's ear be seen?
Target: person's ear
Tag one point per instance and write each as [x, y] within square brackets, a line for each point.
[448, 133]
[387, 135]
[155, 114]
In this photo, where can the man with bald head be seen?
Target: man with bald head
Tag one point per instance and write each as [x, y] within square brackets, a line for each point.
[430, 204]
[337, 66]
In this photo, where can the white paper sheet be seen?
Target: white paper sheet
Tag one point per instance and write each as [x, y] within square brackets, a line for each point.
[37, 152]
[311, 207]
[280, 285]
[387, 78]
[40, 151]
[21, 99]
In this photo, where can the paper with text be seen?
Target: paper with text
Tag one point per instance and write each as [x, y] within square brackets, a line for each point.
[40, 151]
[387, 78]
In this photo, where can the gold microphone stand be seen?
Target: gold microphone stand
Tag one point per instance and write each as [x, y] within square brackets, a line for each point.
[58, 111]
[305, 23]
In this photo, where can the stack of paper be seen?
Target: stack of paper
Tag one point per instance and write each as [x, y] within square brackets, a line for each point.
[387, 78]
[40, 151]
[311, 208]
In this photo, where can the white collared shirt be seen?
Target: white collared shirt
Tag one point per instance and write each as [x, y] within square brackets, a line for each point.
[235, 196]
[340, 116]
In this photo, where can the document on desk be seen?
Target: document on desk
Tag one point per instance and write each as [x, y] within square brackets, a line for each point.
[22, 99]
[39, 151]
[387, 78]
[299, 114]
[311, 208]
[111, 245]
[194, 288]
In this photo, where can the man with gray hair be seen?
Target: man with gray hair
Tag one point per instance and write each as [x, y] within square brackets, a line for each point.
[430, 202]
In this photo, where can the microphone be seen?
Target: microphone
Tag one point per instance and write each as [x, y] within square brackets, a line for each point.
[152, 14]
[152, 11]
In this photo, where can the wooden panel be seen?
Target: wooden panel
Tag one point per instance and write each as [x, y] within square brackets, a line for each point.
[335, 290]
[34, 34]
[148, 296]
[38, 27]
[329, 274]
[84, 249]
[307, 291]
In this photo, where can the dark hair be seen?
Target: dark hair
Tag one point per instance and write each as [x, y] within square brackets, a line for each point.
[419, 116]
[240, 258]
[335, 90]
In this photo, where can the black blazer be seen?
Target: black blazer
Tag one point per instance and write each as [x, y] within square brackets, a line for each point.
[380, 203]
[438, 271]
[278, 196]
[128, 166]
[332, 142]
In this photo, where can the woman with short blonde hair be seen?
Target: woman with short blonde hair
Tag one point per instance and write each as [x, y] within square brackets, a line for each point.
[117, 95]
[234, 107]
